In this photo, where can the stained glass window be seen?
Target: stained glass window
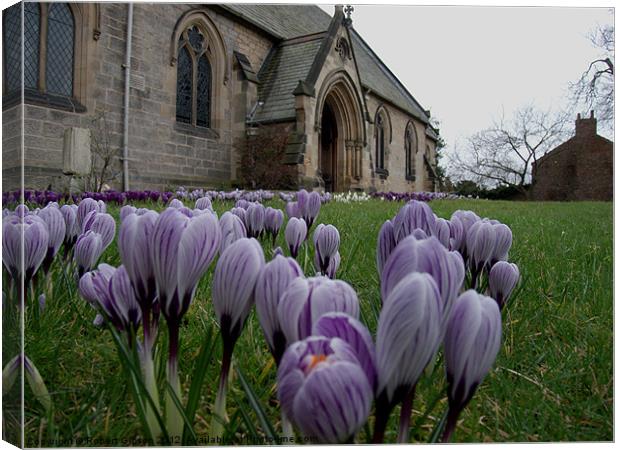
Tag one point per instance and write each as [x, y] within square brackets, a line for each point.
[194, 78]
[184, 86]
[59, 64]
[203, 91]
[11, 22]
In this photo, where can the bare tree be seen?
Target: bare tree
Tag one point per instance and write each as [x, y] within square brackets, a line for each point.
[104, 155]
[503, 154]
[595, 88]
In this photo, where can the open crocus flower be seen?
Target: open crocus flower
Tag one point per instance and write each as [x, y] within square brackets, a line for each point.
[182, 250]
[271, 284]
[87, 206]
[326, 243]
[414, 215]
[385, 244]
[408, 336]
[295, 234]
[56, 229]
[232, 229]
[323, 389]
[305, 300]
[503, 278]
[33, 230]
[234, 282]
[471, 345]
[426, 256]
[255, 220]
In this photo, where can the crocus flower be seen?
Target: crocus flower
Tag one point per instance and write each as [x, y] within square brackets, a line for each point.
[323, 389]
[176, 203]
[302, 202]
[239, 212]
[466, 219]
[481, 243]
[413, 215]
[305, 300]
[334, 264]
[11, 372]
[326, 243]
[101, 223]
[408, 336]
[274, 218]
[204, 203]
[72, 228]
[457, 233]
[295, 234]
[56, 228]
[88, 249]
[255, 220]
[442, 231]
[471, 346]
[503, 242]
[182, 250]
[426, 256]
[292, 210]
[85, 207]
[312, 208]
[126, 210]
[234, 282]
[271, 284]
[385, 244]
[232, 229]
[33, 230]
[503, 278]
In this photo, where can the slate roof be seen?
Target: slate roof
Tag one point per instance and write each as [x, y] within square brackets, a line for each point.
[290, 63]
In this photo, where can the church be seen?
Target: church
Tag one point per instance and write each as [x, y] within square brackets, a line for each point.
[173, 95]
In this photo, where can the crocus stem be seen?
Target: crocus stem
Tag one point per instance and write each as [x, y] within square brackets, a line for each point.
[453, 416]
[382, 414]
[219, 414]
[405, 417]
[174, 421]
[148, 372]
[287, 427]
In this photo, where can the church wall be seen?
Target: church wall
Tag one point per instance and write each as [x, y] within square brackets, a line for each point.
[11, 147]
[163, 153]
[395, 151]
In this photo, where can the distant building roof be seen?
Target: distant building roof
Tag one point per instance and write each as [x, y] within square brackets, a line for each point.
[290, 63]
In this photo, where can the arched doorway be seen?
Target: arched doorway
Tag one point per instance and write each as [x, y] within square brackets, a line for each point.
[340, 122]
[328, 160]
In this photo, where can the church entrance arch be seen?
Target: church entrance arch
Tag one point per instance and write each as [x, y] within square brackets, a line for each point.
[341, 133]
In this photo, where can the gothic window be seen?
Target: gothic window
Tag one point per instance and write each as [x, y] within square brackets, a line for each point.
[380, 142]
[194, 78]
[48, 40]
[411, 148]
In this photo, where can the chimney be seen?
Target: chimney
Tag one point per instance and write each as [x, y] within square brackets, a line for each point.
[585, 127]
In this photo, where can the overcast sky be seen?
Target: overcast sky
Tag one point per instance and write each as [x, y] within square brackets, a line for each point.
[467, 63]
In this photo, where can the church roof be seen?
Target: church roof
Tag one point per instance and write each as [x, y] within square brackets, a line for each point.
[290, 62]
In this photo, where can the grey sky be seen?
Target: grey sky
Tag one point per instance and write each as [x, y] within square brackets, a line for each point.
[466, 63]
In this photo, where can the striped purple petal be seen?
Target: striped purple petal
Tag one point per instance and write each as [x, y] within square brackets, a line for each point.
[295, 234]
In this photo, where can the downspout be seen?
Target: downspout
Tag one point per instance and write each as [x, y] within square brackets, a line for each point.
[127, 67]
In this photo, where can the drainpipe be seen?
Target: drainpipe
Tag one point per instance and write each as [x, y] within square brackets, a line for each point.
[127, 67]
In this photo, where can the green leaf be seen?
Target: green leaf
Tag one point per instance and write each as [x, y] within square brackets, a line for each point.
[188, 424]
[258, 409]
[435, 435]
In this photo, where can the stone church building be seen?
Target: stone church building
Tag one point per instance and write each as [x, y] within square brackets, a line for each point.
[582, 168]
[175, 91]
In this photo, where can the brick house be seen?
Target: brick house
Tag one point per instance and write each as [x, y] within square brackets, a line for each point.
[578, 169]
[197, 80]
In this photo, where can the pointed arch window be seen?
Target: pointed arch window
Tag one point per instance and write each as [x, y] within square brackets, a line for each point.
[49, 43]
[194, 78]
[411, 149]
[380, 142]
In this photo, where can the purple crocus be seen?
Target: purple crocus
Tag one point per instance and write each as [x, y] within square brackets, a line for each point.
[326, 243]
[292, 210]
[274, 218]
[56, 228]
[442, 231]
[88, 249]
[414, 215]
[101, 223]
[255, 220]
[72, 229]
[182, 249]
[324, 390]
[312, 208]
[204, 203]
[239, 212]
[503, 242]
[466, 219]
[503, 278]
[385, 244]
[176, 203]
[305, 300]
[234, 281]
[457, 233]
[471, 345]
[232, 229]
[271, 284]
[481, 243]
[408, 336]
[332, 268]
[85, 207]
[33, 230]
[295, 234]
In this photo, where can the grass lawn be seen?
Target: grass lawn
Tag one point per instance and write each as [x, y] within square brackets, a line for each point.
[552, 381]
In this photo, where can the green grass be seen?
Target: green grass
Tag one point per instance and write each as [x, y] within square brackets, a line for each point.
[552, 381]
